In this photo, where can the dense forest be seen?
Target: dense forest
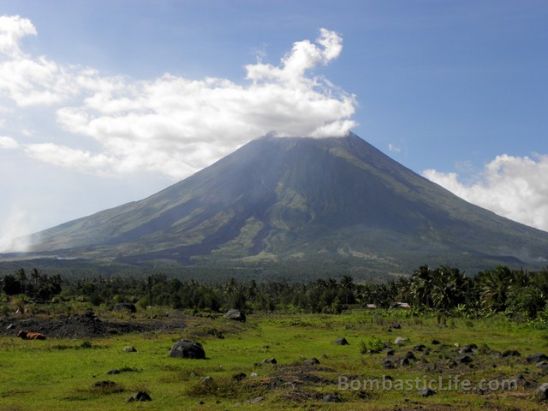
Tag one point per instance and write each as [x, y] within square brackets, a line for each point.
[447, 291]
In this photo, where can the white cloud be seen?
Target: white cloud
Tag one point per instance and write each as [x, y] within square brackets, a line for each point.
[12, 29]
[30, 80]
[171, 124]
[8, 143]
[514, 187]
[68, 157]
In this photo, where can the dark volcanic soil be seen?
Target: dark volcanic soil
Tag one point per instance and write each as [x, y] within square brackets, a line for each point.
[83, 326]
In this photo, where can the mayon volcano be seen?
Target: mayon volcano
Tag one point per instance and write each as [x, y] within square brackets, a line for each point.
[296, 203]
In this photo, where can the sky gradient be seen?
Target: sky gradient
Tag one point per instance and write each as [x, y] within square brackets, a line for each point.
[455, 90]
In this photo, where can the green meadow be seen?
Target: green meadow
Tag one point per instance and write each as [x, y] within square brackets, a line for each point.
[63, 374]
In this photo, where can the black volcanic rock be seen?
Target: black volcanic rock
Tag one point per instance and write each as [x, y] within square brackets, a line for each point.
[301, 202]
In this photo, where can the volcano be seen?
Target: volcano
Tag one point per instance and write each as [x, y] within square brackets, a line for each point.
[296, 203]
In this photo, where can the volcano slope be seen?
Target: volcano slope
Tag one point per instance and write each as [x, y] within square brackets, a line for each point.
[300, 204]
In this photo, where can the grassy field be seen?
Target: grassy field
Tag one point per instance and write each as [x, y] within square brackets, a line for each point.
[60, 374]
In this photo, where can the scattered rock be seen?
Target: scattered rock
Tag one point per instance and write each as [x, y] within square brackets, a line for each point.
[336, 397]
[395, 326]
[341, 341]
[390, 352]
[270, 361]
[420, 347]
[388, 364]
[404, 362]
[400, 340]
[86, 344]
[534, 358]
[187, 349]
[105, 384]
[311, 361]
[89, 313]
[130, 348]
[235, 315]
[543, 365]
[239, 376]
[541, 394]
[139, 396]
[435, 342]
[511, 353]
[428, 392]
[410, 356]
[253, 375]
[10, 326]
[468, 349]
[207, 381]
[83, 326]
[256, 400]
[125, 307]
[465, 359]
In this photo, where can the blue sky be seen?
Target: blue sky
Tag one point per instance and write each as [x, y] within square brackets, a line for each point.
[445, 87]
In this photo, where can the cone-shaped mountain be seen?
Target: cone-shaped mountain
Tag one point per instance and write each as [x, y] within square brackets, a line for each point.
[297, 202]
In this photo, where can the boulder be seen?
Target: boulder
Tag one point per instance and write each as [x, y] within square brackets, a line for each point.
[341, 341]
[388, 364]
[510, 353]
[105, 384]
[125, 307]
[541, 394]
[235, 315]
[187, 349]
[139, 396]
[239, 376]
[464, 359]
[130, 348]
[311, 361]
[410, 356]
[400, 340]
[534, 358]
[336, 397]
[468, 349]
[270, 361]
[543, 365]
[207, 381]
[428, 392]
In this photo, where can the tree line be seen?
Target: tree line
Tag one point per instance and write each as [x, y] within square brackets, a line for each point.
[445, 290]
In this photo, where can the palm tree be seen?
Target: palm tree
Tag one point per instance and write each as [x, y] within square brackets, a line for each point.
[495, 285]
[421, 287]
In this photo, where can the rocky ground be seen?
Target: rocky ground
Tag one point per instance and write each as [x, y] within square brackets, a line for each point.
[87, 325]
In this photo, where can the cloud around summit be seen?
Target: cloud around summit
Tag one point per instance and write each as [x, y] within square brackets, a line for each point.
[170, 124]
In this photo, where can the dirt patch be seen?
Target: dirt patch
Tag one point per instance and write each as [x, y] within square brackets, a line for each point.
[83, 326]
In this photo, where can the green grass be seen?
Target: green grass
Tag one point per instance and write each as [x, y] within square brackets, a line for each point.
[60, 374]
